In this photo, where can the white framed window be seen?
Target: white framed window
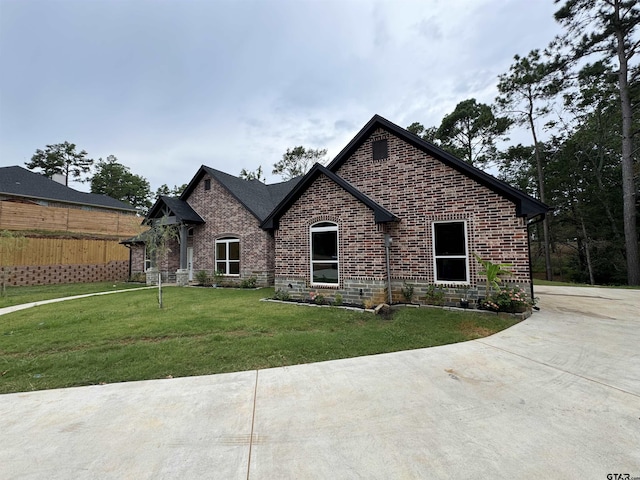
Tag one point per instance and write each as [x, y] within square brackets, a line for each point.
[450, 252]
[324, 253]
[147, 259]
[228, 256]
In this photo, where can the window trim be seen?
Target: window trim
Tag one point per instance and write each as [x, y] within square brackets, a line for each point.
[315, 229]
[227, 241]
[436, 257]
[147, 261]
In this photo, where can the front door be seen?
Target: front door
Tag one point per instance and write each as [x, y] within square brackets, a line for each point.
[190, 262]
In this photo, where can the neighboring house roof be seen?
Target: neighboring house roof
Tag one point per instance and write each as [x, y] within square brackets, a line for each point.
[526, 205]
[258, 198]
[19, 182]
[381, 214]
[174, 207]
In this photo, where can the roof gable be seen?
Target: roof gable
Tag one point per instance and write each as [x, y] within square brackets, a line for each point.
[257, 197]
[381, 214]
[20, 182]
[526, 205]
[173, 207]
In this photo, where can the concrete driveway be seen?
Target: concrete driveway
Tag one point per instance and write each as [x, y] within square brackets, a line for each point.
[556, 396]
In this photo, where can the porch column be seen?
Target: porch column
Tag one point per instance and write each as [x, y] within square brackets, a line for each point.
[183, 246]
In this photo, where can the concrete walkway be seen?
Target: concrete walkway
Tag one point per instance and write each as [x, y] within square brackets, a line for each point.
[23, 306]
[556, 396]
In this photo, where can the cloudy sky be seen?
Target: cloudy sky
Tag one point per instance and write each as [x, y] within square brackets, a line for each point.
[167, 86]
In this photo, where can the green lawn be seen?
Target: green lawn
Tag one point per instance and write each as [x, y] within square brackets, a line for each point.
[18, 295]
[124, 337]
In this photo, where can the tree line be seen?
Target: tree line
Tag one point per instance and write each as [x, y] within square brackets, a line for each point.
[106, 177]
[582, 91]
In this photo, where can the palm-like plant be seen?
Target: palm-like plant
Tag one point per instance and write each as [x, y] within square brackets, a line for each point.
[492, 271]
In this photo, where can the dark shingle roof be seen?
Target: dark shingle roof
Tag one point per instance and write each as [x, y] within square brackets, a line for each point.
[381, 214]
[526, 205]
[258, 198]
[19, 182]
[177, 207]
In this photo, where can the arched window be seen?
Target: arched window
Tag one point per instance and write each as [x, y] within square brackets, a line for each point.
[324, 253]
[228, 256]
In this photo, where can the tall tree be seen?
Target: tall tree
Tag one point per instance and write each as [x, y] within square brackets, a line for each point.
[426, 133]
[297, 161]
[176, 191]
[61, 158]
[117, 181]
[256, 174]
[525, 93]
[608, 28]
[471, 131]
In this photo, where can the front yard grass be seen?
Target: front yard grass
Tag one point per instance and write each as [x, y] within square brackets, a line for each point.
[125, 337]
[18, 295]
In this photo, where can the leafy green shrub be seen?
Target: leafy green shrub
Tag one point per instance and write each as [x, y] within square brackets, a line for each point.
[282, 295]
[218, 277]
[407, 292]
[511, 300]
[337, 299]
[203, 278]
[317, 298]
[249, 282]
[138, 277]
[492, 271]
[434, 296]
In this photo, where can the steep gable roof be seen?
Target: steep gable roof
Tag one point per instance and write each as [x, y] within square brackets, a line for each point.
[381, 214]
[175, 207]
[526, 205]
[16, 181]
[257, 197]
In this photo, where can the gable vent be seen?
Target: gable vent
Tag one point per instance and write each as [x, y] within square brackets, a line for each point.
[380, 149]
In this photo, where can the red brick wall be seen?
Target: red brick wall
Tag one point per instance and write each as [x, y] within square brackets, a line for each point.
[54, 274]
[226, 217]
[419, 190]
[357, 233]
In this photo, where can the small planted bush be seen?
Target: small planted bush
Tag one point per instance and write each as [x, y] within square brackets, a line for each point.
[249, 282]
[337, 299]
[434, 296]
[282, 295]
[407, 292]
[203, 278]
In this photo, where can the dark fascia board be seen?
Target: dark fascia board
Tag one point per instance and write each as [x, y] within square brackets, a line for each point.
[526, 205]
[381, 214]
[192, 184]
[154, 212]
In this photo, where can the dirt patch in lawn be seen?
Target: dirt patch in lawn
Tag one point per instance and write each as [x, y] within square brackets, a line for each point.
[473, 331]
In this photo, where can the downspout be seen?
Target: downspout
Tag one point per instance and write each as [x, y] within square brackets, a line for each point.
[530, 224]
[130, 260]
[387, 244]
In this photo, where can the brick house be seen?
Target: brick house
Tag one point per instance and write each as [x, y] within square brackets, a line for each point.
[393, 208]
[218, 218]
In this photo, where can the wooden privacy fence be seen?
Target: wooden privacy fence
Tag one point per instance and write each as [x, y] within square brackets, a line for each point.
[22, 216]
[60, 251]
